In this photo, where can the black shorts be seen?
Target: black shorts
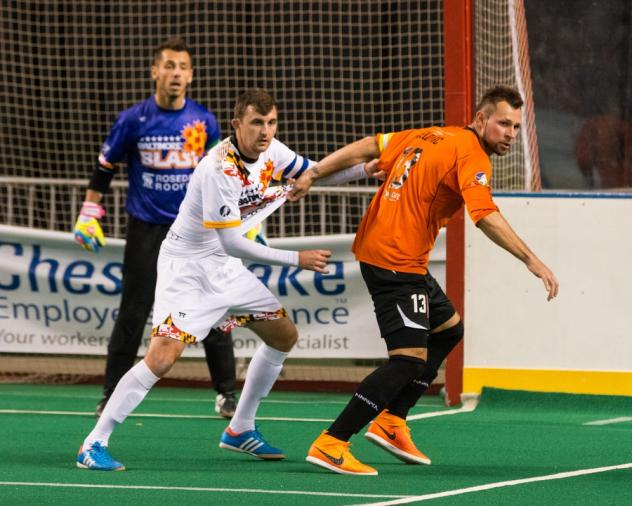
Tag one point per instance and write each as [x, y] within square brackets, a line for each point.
[406, 303]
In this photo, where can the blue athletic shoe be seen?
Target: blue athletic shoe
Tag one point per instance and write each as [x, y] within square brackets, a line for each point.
[97, 458]
[250, 442]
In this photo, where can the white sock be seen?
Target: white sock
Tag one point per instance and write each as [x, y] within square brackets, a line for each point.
[128, 394]
[263, 371]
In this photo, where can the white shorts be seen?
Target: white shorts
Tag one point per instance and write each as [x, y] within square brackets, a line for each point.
[195, 295]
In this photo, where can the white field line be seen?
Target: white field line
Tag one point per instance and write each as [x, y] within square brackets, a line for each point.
[156, 415]
[194, 489]
[467, 407]
[186, 399]
[501, 484]
[469, 404]
[609, 421]
[200, 400]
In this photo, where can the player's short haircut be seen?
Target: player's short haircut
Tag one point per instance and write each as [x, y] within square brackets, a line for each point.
[498, 94]
[258, 98]
[174, 44]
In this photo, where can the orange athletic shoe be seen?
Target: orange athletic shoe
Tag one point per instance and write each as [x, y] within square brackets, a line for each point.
[391, 433]
[333, 454]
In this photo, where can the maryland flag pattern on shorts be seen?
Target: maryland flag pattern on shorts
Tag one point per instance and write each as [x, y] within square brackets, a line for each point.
[168, 329]
[234, 321]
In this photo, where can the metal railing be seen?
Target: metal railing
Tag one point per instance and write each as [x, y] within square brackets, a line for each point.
[53, 204]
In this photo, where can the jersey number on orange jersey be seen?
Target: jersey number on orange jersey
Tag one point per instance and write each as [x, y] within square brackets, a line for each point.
[401, 171]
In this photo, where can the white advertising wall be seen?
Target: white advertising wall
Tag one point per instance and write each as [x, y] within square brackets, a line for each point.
[580, 341]
[57, 298]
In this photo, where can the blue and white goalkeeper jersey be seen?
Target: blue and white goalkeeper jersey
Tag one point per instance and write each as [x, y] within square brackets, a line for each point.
[227, 191]
[161, 148]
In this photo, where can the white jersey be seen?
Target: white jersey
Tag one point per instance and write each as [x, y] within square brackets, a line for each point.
[227, 190]
[199, 285]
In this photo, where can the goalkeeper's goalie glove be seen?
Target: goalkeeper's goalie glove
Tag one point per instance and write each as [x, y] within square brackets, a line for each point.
[256, 234]
[88, 232]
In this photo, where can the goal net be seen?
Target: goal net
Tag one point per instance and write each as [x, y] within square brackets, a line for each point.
[502, 57]
[339, 71]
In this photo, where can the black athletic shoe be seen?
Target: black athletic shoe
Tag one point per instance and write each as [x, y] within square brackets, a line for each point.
[226, 404]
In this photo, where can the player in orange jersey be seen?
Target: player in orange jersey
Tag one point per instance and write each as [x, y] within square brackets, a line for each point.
[431, 173]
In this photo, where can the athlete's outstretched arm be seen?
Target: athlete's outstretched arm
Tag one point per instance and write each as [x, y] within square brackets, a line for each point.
[238, 246]
[497, 228]
[352, 154]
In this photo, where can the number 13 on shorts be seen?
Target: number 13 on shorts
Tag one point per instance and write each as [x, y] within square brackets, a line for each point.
[420, 302]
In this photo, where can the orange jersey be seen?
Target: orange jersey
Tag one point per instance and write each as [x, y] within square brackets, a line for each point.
[431, 173]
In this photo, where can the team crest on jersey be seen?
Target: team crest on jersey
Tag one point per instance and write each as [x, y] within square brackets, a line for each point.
[405, 163]
[194, 135]
[481, 178]
[169, 152]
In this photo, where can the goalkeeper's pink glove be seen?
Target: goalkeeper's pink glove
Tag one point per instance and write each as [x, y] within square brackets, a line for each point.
[88, 232]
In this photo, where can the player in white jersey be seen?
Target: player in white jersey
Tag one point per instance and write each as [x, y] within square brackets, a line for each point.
[202, 283]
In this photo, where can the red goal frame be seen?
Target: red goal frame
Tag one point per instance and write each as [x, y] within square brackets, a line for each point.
[458, 42]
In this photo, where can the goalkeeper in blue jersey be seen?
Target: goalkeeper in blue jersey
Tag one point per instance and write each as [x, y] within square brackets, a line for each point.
[161, 140]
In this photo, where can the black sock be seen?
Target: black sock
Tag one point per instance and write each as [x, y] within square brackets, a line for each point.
[374, 393]
[407, 398]
[439, 346]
